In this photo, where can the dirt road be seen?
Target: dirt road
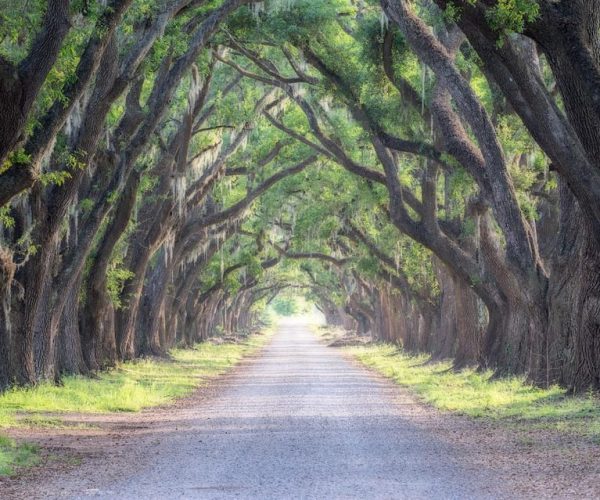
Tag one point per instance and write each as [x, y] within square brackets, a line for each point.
[299, 421]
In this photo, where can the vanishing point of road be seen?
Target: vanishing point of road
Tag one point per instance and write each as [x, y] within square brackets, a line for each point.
[298, 421]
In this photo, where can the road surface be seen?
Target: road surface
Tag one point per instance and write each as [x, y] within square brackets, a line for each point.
[300, 421]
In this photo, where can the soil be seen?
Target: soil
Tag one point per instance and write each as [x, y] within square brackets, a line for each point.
[299, 419]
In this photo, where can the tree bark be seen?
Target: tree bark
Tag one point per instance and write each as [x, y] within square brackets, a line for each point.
[70, 355]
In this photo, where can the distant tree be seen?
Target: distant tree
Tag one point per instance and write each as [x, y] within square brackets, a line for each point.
[285, 306]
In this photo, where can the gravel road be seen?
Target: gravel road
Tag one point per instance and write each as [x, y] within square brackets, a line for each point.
[299, 421]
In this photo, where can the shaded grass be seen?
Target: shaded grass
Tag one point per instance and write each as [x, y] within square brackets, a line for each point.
[478, 394]
[14, 456]
[130, 387]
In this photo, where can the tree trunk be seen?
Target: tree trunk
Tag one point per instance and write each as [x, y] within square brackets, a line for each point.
[444, 345]
[573, 301]
[151, 309]
[70, 354]
[127, 316]
[7, 272]
[468, 338]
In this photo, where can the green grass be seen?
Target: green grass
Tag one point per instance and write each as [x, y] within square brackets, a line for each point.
[479, 395]
[130, 387]
[13, 455]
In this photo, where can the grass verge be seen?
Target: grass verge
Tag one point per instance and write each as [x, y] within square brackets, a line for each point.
[130, 387]
[479, 395]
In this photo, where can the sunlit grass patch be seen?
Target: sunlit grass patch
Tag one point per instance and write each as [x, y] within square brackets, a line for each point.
[478, 394]
[130, 387]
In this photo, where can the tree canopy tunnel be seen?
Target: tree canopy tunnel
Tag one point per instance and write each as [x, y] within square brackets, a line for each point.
[426, 172]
